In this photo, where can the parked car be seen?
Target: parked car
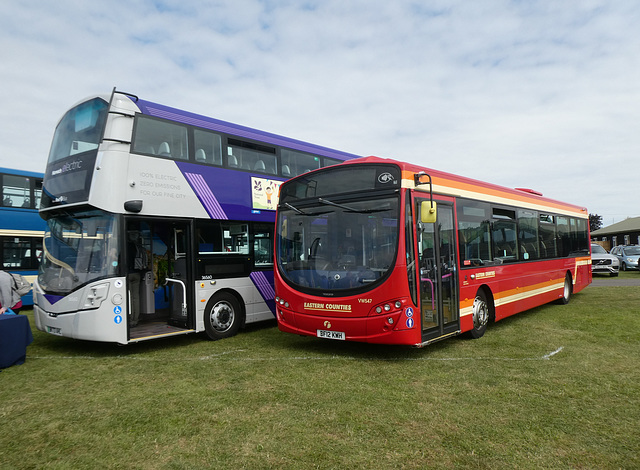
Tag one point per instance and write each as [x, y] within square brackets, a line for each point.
[602, 262]
[628, 256]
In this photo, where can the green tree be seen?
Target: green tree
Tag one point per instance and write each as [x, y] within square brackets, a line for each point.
[595, 222]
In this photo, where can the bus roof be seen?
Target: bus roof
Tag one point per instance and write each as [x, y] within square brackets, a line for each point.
[11, 171]
[455, 185]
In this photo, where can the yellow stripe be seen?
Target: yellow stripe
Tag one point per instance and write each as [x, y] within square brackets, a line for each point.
[515, 295]
[21, 233]
[528, 293]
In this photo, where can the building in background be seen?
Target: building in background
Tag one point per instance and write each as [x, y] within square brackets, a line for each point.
[626, 232]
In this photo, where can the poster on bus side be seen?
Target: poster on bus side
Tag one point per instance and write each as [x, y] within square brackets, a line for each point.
[264, 193]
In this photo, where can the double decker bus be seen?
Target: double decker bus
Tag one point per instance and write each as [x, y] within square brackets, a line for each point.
[381, 251]
[21, 228]
[160, 221]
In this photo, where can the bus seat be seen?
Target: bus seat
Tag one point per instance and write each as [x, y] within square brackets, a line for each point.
[286, 171]
[201, 156]
[259, 166]
[232, 161]
[164, 150]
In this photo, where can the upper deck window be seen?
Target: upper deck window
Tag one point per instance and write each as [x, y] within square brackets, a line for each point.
[160, 138]
[208, 147]
[253, 157]
[17, 191]
[296, 163]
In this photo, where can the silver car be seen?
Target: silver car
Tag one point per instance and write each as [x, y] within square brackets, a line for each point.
[628, 256]
[602, 262]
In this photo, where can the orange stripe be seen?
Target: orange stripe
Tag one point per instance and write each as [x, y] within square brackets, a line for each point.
[453, 186]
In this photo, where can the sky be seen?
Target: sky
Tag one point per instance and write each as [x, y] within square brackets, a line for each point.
[535, 94]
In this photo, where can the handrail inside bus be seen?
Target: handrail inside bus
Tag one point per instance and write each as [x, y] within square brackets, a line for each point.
[184, 290]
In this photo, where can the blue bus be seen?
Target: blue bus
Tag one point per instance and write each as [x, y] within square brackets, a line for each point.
[160, 222]
[21, 228]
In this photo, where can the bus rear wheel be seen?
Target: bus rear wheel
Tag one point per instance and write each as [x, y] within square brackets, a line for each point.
[224, 316]
[566, 292]
[481, 314]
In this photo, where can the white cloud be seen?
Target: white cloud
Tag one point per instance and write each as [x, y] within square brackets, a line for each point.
[529, 94]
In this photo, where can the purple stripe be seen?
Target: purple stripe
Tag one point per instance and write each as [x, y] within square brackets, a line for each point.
[261, 282]
[205, 195]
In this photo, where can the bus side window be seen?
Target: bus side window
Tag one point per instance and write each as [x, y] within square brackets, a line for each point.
[263, 245]
[208, 147]
[160, 138]
[16, 191]
[297, 163]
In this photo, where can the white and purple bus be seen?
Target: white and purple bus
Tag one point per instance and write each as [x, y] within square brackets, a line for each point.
[160, 222]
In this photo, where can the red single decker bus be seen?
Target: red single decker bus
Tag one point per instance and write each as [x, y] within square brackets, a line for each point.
[381, 251]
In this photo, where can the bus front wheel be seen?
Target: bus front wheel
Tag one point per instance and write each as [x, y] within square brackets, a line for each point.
[224, 316]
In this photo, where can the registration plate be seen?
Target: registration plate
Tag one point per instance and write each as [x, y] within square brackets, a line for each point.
[54, 331]
[331, 334]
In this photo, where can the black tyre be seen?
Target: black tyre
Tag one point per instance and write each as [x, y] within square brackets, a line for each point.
[481, 315]
[223, 316]
[567, 291]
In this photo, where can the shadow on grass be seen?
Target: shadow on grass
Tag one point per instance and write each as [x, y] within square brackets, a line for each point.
[46, 344]
[263, 339]
[322, 348]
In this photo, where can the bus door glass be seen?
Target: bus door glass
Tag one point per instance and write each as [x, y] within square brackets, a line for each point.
[438, 276]
[178, 274]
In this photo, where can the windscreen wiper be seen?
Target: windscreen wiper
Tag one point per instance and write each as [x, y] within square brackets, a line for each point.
[293, 208]
[301, 212]
[349, 209]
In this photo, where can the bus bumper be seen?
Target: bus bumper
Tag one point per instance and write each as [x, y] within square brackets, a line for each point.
[382, 329]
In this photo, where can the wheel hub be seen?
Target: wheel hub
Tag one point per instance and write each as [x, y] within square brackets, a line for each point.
[480, 313]
[222, 316]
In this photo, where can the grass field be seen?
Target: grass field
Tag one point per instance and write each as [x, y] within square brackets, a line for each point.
[556, 387]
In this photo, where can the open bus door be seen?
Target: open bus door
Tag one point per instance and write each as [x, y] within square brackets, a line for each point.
[438, 273]
[158, 278]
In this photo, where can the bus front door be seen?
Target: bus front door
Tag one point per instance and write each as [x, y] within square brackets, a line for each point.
[438, 276]
[158, 276]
